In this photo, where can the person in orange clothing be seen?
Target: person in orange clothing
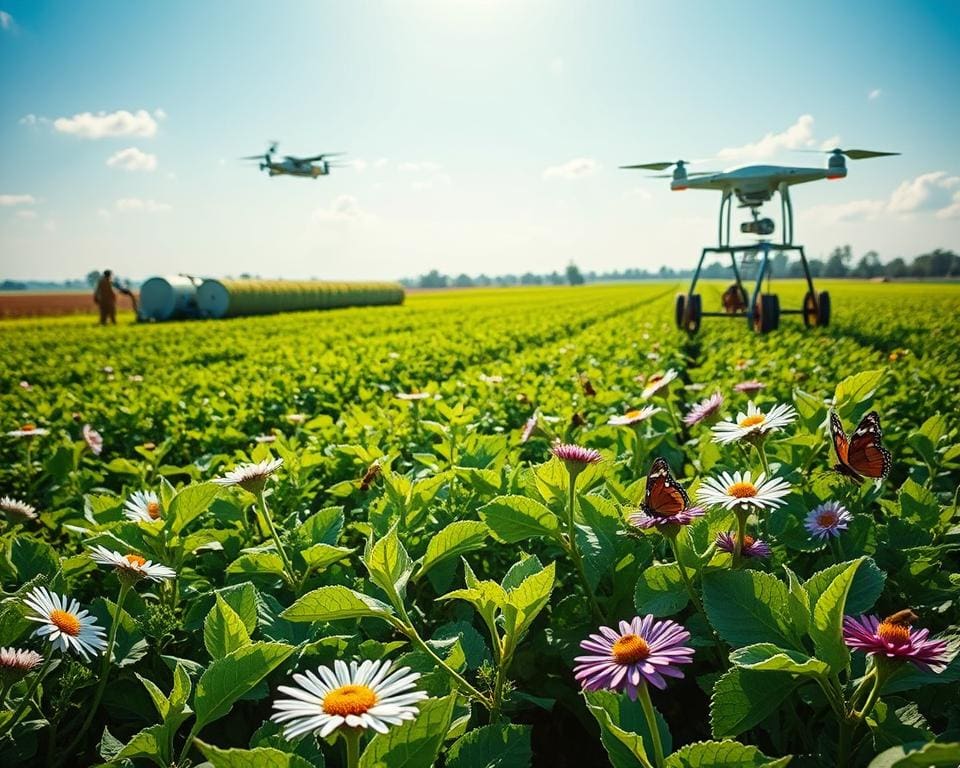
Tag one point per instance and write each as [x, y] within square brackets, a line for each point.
[106, 298]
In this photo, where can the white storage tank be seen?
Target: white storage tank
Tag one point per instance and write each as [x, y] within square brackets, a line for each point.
[169, 297]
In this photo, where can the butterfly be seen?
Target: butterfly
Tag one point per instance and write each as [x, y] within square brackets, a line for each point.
[862, 455]
[664, 497]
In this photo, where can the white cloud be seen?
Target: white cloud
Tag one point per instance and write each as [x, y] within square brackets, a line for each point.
[797, 136]
[31, 120]
[436, 180]
[134, 204]
[86, 125]
[577, 168]
[160, 114]
[7, 23]
[874, 94]
[17, 200]
[345, 209]
[26, 214]
[937, 192]
[557, 67]
[930, 191]
[422, 167]
[832, 143]
[132, 159]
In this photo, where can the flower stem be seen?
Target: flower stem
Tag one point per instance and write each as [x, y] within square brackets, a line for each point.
[741, 533]
[650, 714]
[104, 670]
[636, 452]
[287, 567]
[352, 737]
[25, 701]
[574, 550]
[762, 453]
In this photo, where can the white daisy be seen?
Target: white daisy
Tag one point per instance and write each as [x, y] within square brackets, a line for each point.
[131, 565]
[143, 506]
[265, 439]
[93, 439]
[657, 382]
[28, 430]
[250, 477]
[17, 510]
[630, 418]
[492, 379]
[64, 624]
[753, 423]
[296, 418]
[363, 695]
[413, 395]
[729, 491]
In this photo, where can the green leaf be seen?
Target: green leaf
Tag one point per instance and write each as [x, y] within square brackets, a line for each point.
[745, 607]
[189, 504]
[918, 504]
[257, 564]
[866, 588]
[32, 557]
[744, 698]
[515, 518]
[322, 527]
[320, 556]
[597, 536]
[147, 744]
[722, 754]
[855, 391]
[229, 678]
[389, 565]
[527, 601]
[660, 590]
[333, 603]
[765, 657]
[623, 728]
[827, 627]
[456, 539]
[261, 757]
[415, 743]
[798, 603]
[223, 630]
[492, 746]
[919, 755]
[516, 573]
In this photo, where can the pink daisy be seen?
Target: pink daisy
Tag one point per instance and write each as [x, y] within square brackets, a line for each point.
[749, 387]
[576, 457]
[893, 638]
[643, 519]
[704, 409]
[727, 541]
[93, 439]
[644, 650]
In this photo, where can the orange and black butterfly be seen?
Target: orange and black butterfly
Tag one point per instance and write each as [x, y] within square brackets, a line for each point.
[863, 455]
[664, 496]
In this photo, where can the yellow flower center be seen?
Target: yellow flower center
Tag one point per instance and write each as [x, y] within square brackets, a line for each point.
[630, 649]
[28, 427]
[742, 490]
[826, 519]
[349, 700]
[66, 622]
[135, 560]
[633, 414]
[748, 541]
[153, 509]
[752, 421]
[896, 634]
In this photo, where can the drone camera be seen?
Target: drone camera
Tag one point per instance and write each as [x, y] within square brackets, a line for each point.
[761, 227]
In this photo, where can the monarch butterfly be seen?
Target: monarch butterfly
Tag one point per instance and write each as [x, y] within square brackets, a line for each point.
[664, 497]
[862, 455]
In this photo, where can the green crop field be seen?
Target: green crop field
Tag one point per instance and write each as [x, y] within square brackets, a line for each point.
[429, 511]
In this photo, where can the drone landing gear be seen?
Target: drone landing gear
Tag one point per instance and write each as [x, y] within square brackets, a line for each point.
[761, 310]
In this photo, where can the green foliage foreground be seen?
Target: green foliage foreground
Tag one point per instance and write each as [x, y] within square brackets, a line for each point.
[426, 531]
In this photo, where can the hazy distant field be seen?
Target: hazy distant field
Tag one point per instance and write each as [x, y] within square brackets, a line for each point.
[47, 303]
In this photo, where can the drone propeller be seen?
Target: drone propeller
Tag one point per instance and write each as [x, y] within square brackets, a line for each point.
[852, 154]
[321, 156]
[689, 175]
[655, 166]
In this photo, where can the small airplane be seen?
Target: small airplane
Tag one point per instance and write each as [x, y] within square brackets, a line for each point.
[754, 185]
[294, 166]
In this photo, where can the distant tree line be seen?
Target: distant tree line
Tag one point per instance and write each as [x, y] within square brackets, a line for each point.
[938, 263]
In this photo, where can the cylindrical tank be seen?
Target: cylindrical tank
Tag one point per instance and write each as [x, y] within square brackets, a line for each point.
[233, 298]
[164, 298]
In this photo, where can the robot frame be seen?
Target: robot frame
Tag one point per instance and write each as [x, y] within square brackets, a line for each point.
[753, 186]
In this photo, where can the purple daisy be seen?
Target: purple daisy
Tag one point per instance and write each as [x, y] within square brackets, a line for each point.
[727, 541]
[649, 519]
[829, 519]
[704, 409]
[749, 387]
[893, 638]
[644, 650]
[576, 457]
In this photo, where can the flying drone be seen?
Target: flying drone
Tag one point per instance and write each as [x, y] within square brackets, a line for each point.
[754, 185]
[294, 166]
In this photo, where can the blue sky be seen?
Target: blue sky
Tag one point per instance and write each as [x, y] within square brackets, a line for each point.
[486, 134]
